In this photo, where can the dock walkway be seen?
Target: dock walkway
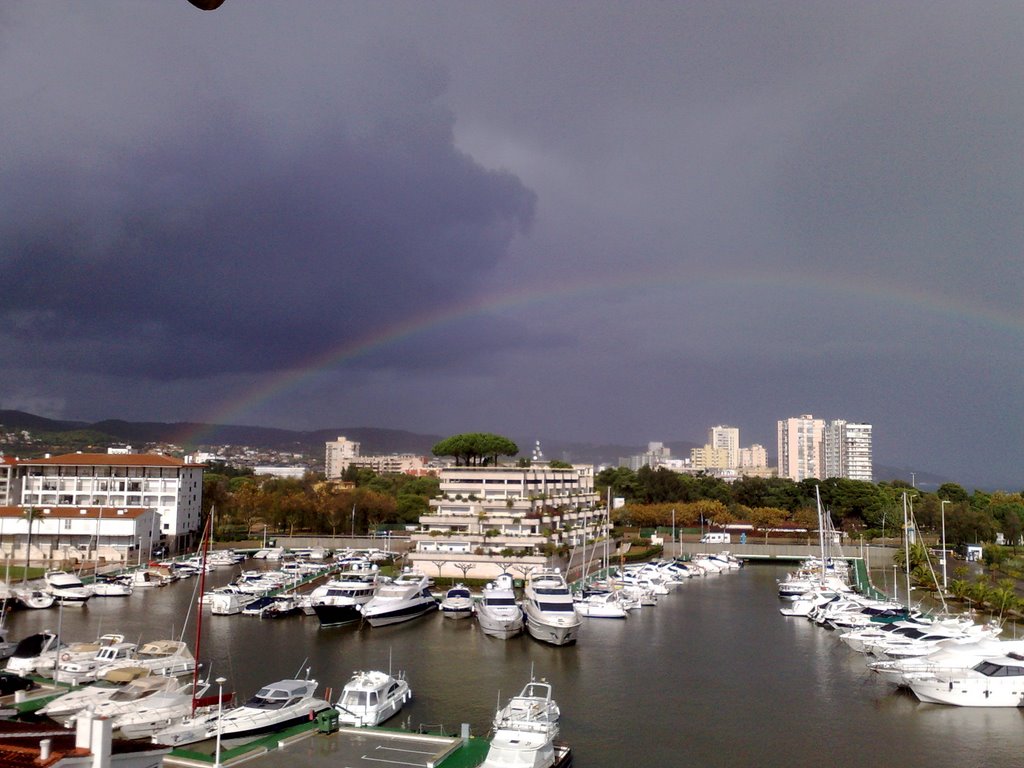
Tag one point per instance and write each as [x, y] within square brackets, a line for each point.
[306, 747]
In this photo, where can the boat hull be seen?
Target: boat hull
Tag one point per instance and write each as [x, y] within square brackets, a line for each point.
[553, 634]
[502, 627]
[337, 615]
[397, 615]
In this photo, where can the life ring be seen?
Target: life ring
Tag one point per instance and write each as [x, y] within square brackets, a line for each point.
[65, 657]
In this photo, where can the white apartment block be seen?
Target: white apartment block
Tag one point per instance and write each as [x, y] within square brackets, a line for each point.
[63, 536]
[170, 487]
[489, 520]
[403, 463]
[340, 454]
[726, 438]
[801, 447]
[848, 448]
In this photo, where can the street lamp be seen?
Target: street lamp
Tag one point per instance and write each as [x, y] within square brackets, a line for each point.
[942, 509]
[674, 532]
[220, 709]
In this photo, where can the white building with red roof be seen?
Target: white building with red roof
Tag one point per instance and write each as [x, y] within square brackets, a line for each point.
[123, 503]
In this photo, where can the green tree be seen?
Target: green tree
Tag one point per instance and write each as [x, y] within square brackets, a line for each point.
[475, 448]
[952, 492]
[767, 518]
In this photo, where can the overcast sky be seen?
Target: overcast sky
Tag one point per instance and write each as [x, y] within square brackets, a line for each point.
[594, 221]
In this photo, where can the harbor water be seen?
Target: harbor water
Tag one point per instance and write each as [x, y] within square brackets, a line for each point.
[712, 676]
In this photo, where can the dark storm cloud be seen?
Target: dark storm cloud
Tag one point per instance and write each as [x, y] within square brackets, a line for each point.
[216, 249]
[606, 221]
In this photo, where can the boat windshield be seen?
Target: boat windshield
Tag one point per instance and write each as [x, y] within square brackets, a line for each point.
[269, 698]
[501, 601]
[992, 669]
[548, 606]
[359, 698]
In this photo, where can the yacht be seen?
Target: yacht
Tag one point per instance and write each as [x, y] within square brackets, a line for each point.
[66, 588]
[109, 699]
[283, 606]
[407, 597]
[52, 661]
[83, 670]
[274, 707]
[457, 603]
[948, 655]
[224, 602]
[30, 651]
[370, 698]
[159, 657]
[600, 604]
[110, 587]
[925, 640]
[337, 602]
[164, 709]
[498, 613]
[993, 682]
[33, 598]
[77, 699]
[145, 578]
[551, 615]
[525, 731]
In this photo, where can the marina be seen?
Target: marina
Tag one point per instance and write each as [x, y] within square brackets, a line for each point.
[710, 672]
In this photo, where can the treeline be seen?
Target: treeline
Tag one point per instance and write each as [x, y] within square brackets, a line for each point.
[364, 501]
[869, 509]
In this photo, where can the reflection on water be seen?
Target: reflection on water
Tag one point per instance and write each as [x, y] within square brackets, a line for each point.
[714, 676]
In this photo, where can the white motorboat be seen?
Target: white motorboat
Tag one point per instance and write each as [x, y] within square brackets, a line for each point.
[600, 604]
[947, 656]
[370, 698]
[498, 613]
[273, 708]
[147, 578]
[165, 709]
[551, 615]
[457, 603]
[30, 650]
[283, 606]
[137, 693]
[262, 554]
[338, 601]
[110, 587]
[34, 598]
[923, 641]
[78, 671]
[159, 657]
[7, 647]
[405, 598]
[525, 731]
[67, 588]
[63, 707]
[993, 682]
[224, 602]
[78, 652]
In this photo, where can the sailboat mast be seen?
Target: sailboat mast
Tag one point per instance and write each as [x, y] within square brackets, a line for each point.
[199, 613]
[821, 530]
[906, 546]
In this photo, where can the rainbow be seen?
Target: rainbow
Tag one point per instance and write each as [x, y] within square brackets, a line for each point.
[911, 298]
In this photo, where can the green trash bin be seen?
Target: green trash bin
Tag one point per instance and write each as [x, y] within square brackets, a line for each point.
[327, 721]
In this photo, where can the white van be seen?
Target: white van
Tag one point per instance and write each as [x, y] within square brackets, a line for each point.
[716, 538]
